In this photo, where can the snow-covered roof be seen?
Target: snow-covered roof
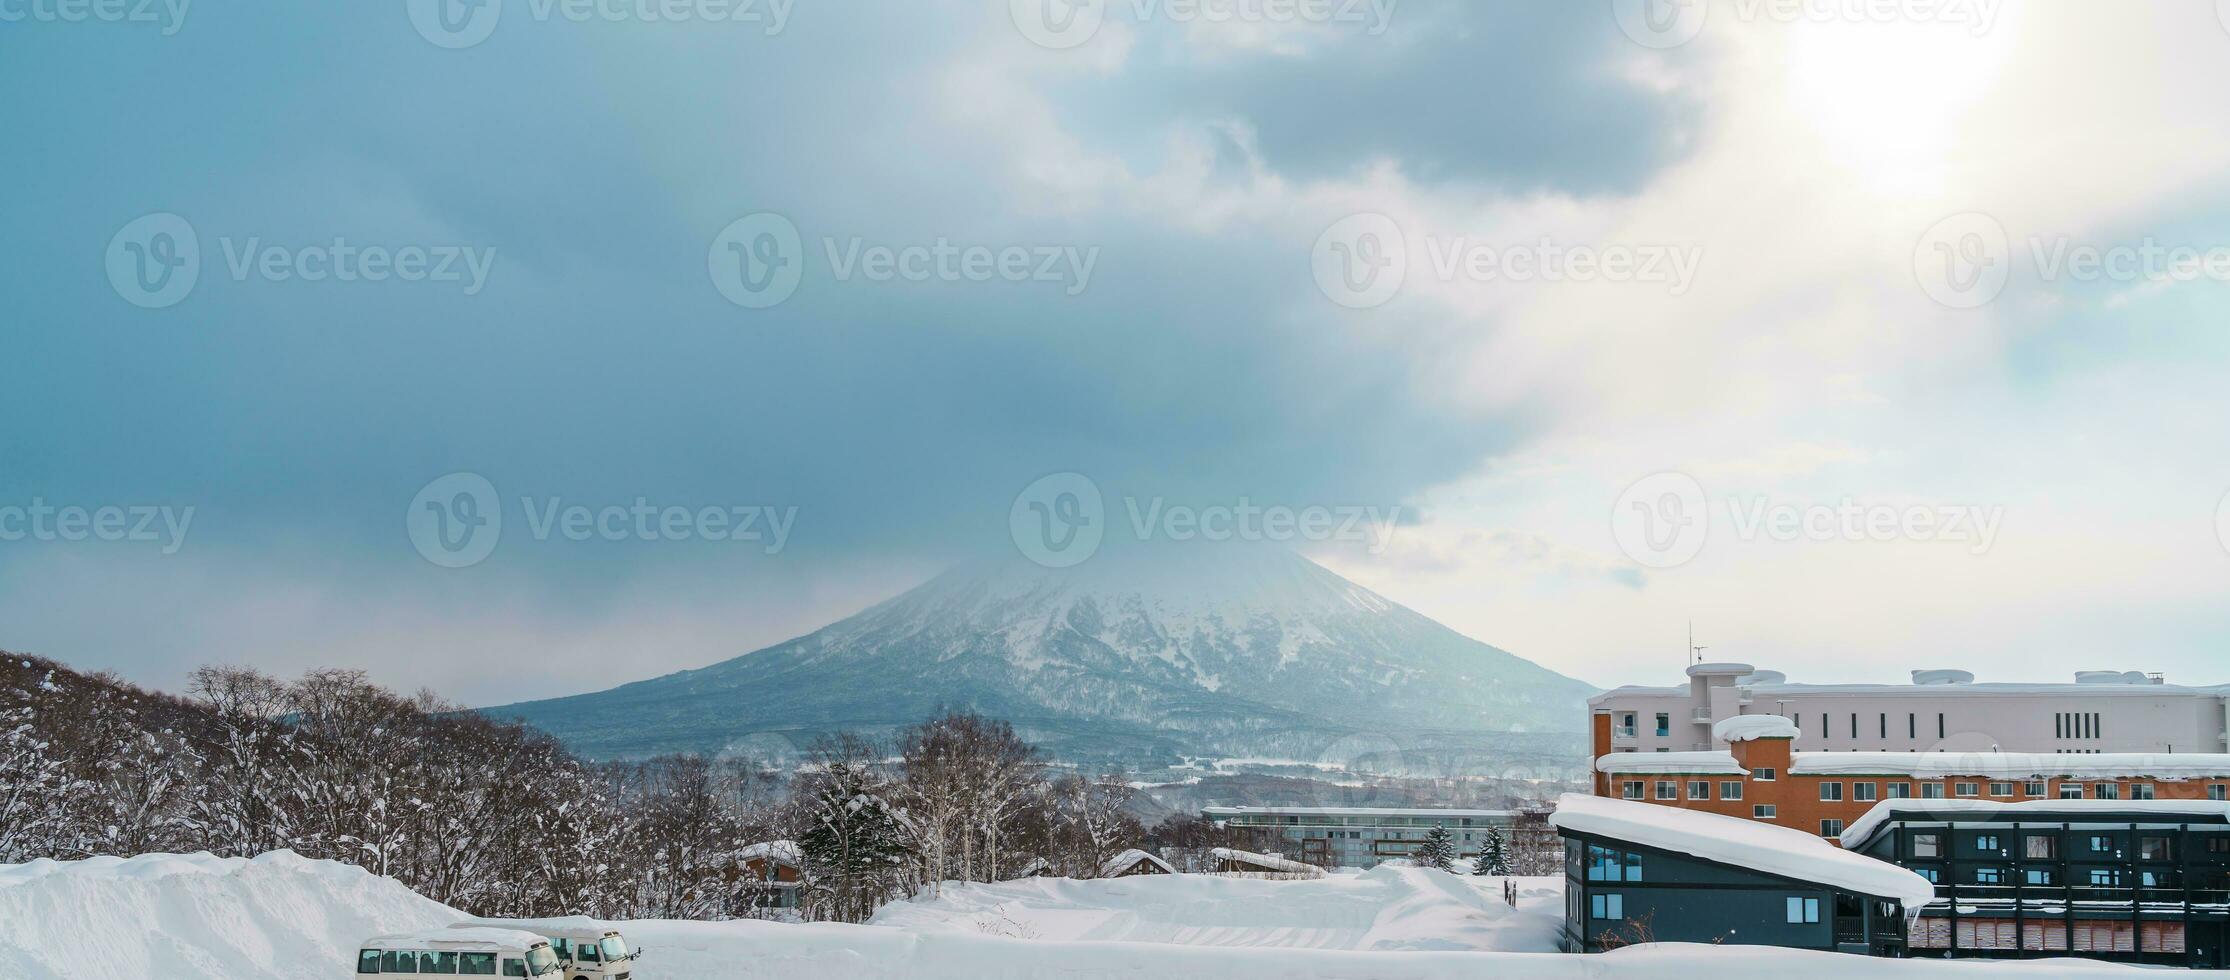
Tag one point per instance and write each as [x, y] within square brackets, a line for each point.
[2168, 767]
[1125, 860]
[453, 938]
[782, 851]
[1267, 862]
[1670, 764]
[1944, 811]
[1741, 843]
[1746, 728]
[568, 926]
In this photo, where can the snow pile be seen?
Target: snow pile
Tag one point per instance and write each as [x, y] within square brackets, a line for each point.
[1747, 728]
[1742, 843]
[197, 917]
[1386, 908]
[1670, 763]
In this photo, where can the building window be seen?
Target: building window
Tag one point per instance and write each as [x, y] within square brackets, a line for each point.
[2218, 845]
[1934, 875]
[1967, 789]
[1885, 726]
[1762, 811]
[1854, 726]
[1609, 908]
[2041, 876]
[1900, 791]
[1862, 792]
[1912, 727]
[1831, 828]
[1668, 790]
[2071, 791]
[2141, 791]
[1831, 792]
[1631, 789]
[2155, 849]
[1989, 876]
[1931, 791]
[1804, 911]
[1730, 790]
[2040, 847]
[2032, 788]
[2218, 792]
[1605, 864]
[1699, 789]
[1988, 842]
[1625, 728]
[2109, 791]
[2101, 844]
[1762, 775]
[1939, 725]
[2001, 789]
[1930, 845]
[2106, 878]
[1664, 724]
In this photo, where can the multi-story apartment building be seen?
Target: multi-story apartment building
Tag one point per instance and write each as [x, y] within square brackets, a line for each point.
[1759, 777]
[2144, 881]
[1942, 710]
[1359, 837]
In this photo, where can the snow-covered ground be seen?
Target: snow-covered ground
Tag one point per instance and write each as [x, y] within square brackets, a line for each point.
[281, 917]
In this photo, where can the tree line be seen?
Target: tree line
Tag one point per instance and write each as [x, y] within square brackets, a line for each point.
[498, 819]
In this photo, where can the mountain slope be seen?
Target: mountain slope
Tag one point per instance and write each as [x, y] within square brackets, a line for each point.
[1206, 652]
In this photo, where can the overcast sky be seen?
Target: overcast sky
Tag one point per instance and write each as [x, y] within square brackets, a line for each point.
[1826, 365]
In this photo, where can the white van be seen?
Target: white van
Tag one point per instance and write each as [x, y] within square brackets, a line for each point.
[585, 948]
[478, 952]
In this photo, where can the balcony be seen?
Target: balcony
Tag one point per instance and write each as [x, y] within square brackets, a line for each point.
[1701, 716]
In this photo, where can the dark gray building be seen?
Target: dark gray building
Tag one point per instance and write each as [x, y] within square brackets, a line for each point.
[2141, 881]
[1637, 873]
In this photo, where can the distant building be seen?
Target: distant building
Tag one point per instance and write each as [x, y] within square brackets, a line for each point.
[1359, 837]
[1135, 862]
[2144, 881]
[1225, 860]
[1639, 874]
[1758, 777]
[2102, 711]
[768, 875]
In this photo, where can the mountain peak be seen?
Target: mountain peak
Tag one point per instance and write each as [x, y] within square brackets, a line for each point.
[1197, 650]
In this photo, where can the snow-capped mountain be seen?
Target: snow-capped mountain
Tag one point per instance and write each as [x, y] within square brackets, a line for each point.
[1218, 651]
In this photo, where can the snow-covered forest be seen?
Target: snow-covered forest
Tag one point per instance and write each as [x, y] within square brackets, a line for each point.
[499, 819]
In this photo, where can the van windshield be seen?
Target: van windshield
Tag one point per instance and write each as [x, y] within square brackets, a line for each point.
[614, 948]
[541, 960]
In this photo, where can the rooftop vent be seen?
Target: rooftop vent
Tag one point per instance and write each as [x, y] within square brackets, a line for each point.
[1937, 677]
[2117, 677]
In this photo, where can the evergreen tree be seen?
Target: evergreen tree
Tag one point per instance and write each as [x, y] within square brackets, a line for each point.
[856, 846]
[1494, 856]
[1439, 850]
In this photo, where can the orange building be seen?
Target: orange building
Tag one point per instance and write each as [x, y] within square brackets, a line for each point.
[1757, 776]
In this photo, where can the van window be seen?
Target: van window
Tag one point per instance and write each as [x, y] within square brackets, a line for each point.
[367, 961]
[477, 964]
[514, 968]
[444, 963]
[395, 961]
[585, 953]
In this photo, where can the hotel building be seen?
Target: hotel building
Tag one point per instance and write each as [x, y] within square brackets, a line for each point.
[2103, 711]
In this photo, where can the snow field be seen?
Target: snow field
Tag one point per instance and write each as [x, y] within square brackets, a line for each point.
[282, 917]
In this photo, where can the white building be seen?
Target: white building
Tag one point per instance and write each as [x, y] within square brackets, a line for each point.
[1361, 837]
[1941, 710]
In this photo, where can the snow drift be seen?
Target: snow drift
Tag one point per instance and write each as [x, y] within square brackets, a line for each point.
[197, 917]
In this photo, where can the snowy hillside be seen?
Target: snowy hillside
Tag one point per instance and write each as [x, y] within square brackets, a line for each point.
[281, 917]
[1224, 651]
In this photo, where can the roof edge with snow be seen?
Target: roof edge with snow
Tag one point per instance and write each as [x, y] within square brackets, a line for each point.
[1763, 848]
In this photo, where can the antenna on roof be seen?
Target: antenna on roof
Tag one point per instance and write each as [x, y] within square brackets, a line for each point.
[1695, 653]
